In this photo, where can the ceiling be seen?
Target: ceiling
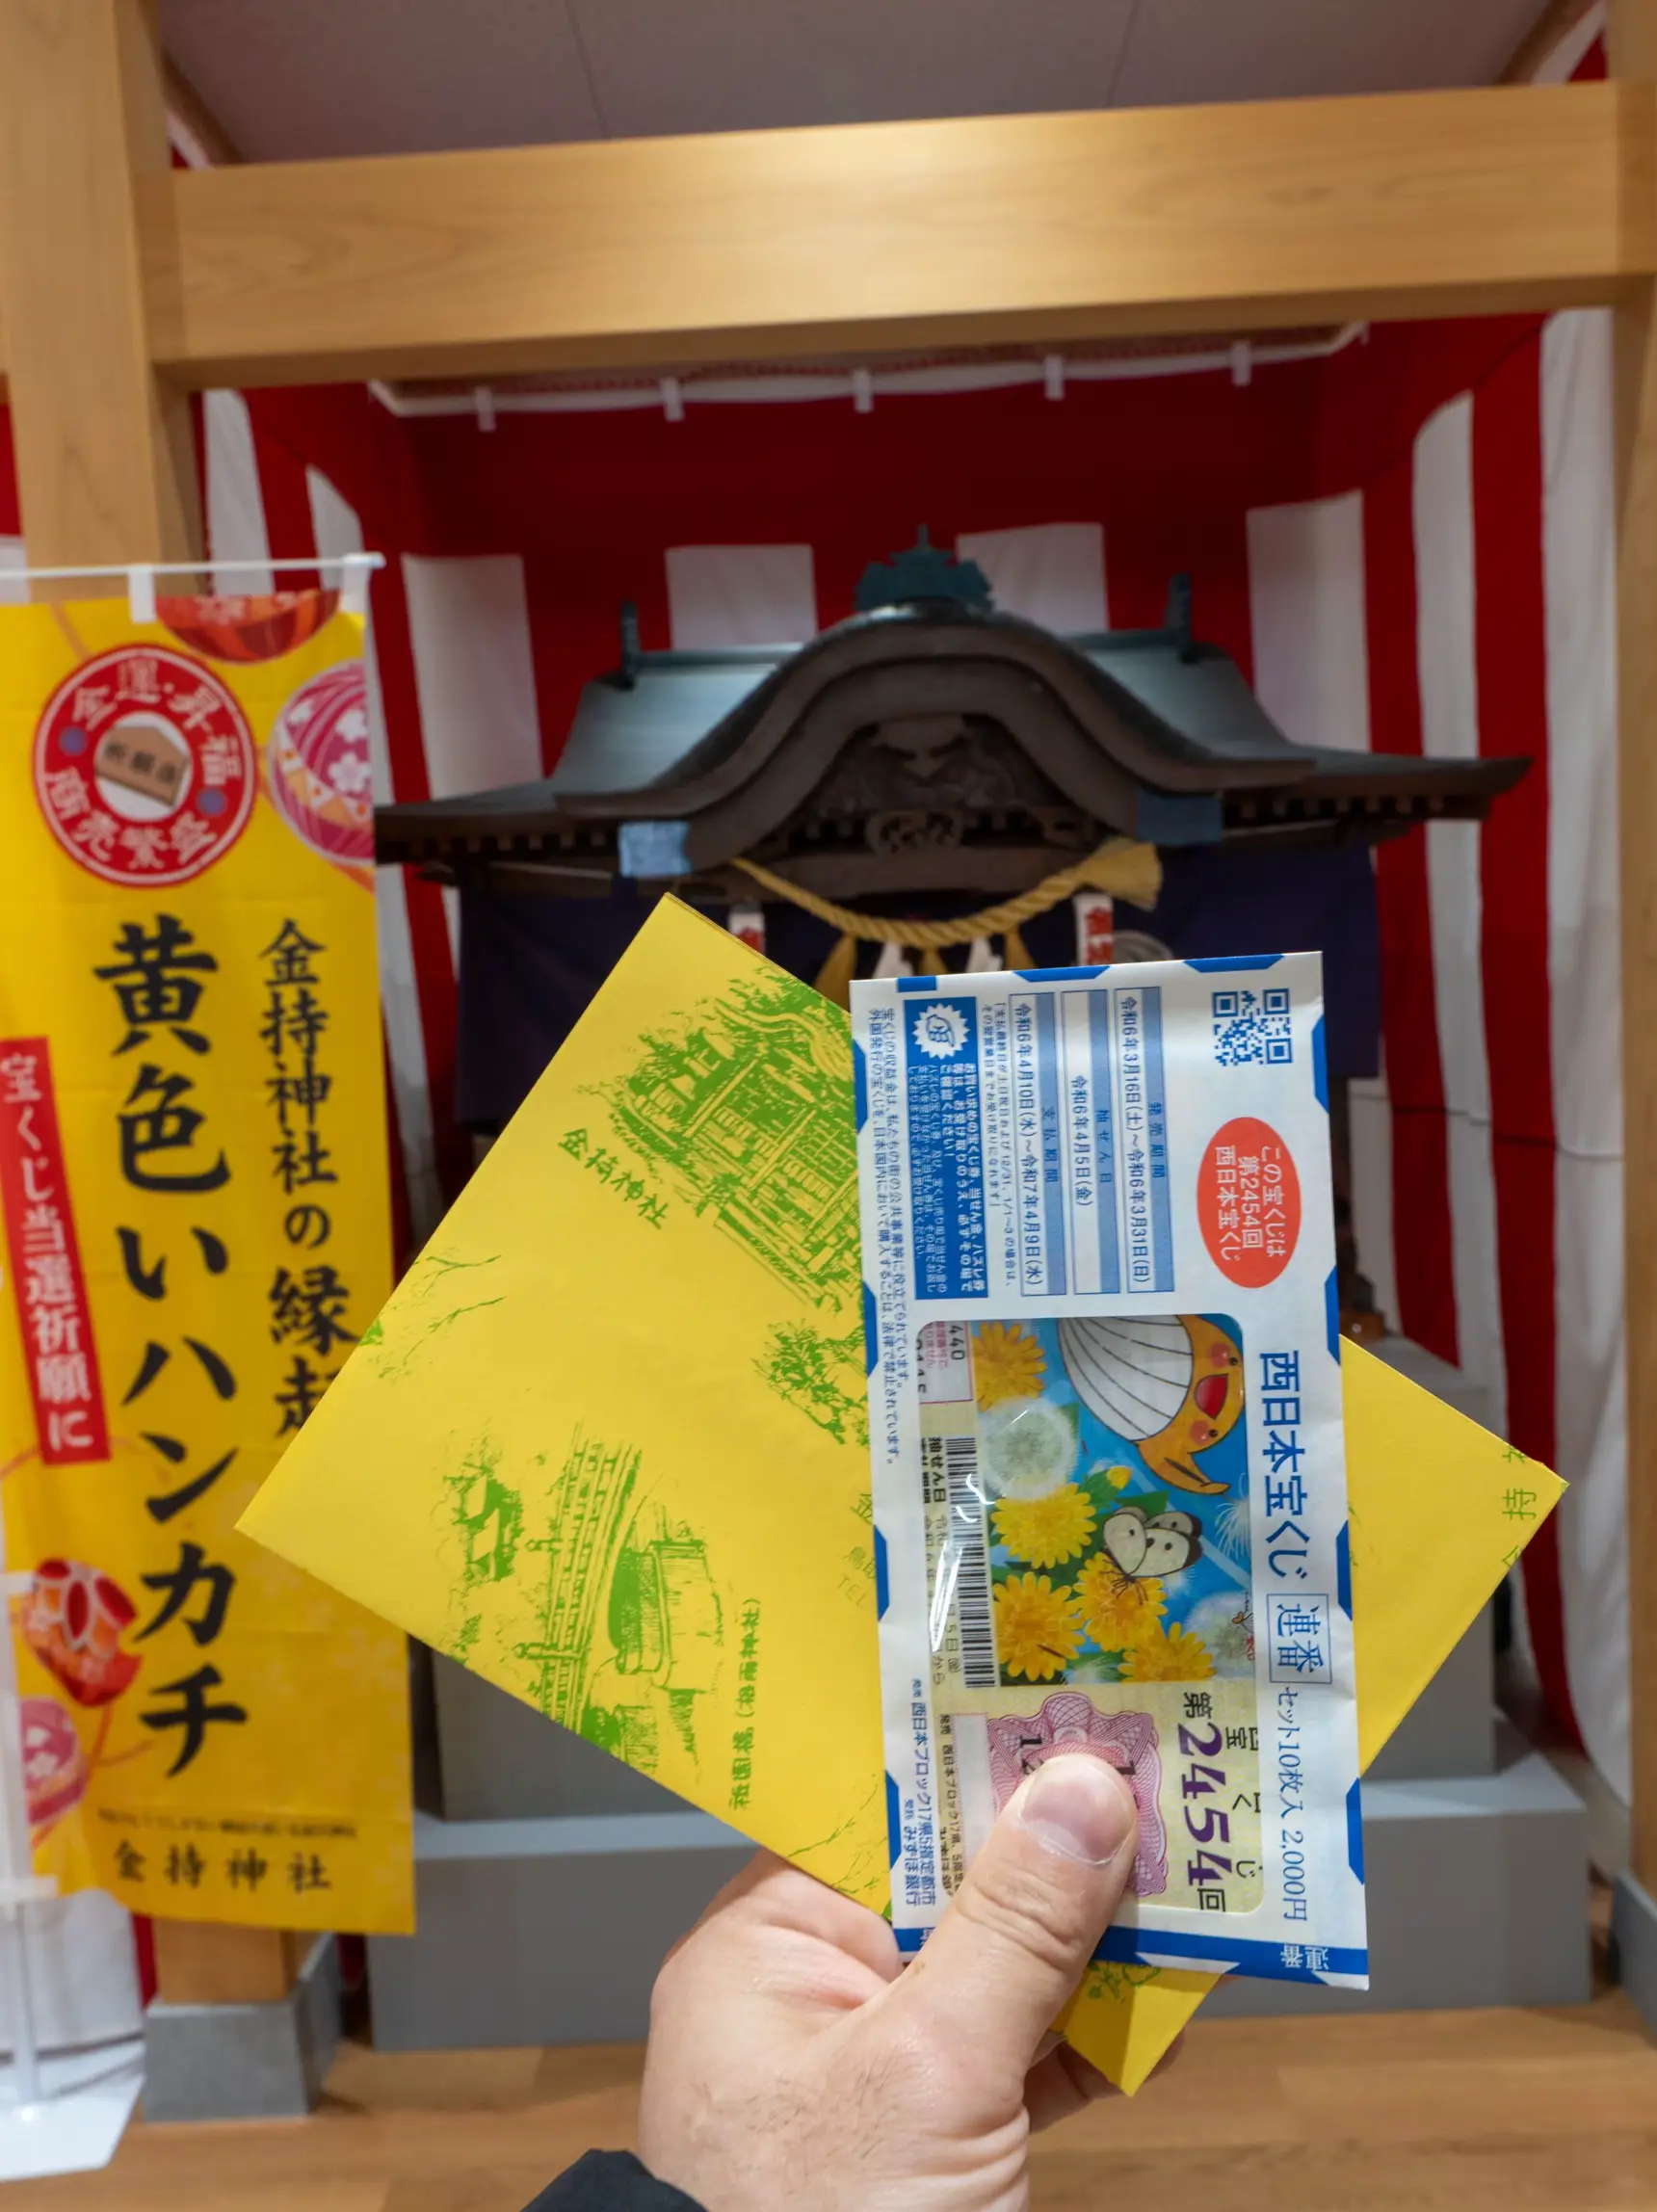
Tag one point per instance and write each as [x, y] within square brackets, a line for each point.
[298, 79]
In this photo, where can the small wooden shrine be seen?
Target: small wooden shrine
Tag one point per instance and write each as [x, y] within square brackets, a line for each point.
[929, 745]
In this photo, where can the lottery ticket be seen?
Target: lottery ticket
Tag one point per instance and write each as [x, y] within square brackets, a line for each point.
[1105, 1422]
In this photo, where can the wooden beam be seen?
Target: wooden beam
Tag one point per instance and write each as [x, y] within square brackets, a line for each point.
[772, 244]
[1633, 34]
[105, 469]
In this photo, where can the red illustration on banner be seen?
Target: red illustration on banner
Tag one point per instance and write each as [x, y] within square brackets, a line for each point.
[318, 767]
[1248, 1203]
[74, 1620]
[55, 1771]
[144, 766]
[239, 628]
[51, 1289]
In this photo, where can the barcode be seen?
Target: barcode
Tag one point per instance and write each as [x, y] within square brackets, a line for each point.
[972, 1609]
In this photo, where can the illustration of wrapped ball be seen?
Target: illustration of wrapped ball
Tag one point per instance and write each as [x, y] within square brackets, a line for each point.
[1133, 1374]
[74, 1620]
[1172, 1384]
[54, 1767]
[318, 770]
[232, 628]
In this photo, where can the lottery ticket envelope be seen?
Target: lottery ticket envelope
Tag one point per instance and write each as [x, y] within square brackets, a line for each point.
[1105, 1421]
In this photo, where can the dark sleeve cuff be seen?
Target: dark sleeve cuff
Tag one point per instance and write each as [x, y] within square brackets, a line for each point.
[610, 2182]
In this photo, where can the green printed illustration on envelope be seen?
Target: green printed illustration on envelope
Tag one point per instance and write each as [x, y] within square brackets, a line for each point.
[607, 1443]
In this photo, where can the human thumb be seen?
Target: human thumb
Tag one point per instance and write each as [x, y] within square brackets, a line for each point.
[1025, 1921]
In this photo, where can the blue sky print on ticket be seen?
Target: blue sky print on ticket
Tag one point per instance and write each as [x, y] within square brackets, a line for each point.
[1092, 1433]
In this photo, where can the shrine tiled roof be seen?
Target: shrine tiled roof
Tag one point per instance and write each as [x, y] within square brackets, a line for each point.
[932, 719]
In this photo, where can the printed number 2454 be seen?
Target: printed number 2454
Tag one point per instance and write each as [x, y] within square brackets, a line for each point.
[1200, 1780]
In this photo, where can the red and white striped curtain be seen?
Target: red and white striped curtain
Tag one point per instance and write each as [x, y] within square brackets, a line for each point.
[1440, 580]
[1408, 546]
[1461, 602]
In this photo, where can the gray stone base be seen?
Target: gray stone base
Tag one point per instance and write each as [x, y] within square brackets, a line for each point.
[542, 1931]
[1478, 1895]
[1634, 1945]
[551, 1930]
[245, 2062]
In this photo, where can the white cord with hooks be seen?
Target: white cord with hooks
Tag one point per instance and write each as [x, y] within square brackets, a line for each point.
[355, 570]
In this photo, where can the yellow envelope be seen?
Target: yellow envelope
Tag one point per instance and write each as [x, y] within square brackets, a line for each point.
[607, 1444]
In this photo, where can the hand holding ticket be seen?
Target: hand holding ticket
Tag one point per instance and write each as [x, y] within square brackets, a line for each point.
[792, 2063]
[562, 1362]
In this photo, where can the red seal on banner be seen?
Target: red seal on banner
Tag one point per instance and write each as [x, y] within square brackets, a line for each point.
[144, 766]
[318, 766]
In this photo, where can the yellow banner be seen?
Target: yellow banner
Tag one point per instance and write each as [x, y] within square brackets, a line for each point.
[194, 1187]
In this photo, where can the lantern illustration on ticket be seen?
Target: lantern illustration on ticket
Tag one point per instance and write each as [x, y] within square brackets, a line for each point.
[1105, 1422]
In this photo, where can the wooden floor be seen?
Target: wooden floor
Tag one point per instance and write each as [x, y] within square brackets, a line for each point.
[1467, 2112]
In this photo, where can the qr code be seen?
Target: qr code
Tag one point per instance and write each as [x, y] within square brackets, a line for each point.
[1251, 1028]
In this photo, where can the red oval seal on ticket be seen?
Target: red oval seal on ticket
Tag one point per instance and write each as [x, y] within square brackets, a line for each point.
[144, 766]
[1248, 1203]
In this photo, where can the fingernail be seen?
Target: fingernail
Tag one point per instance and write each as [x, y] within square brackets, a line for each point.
[1079, 1807]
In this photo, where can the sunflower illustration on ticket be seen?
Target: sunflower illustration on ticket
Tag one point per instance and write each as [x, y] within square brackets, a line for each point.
[1105, 1421]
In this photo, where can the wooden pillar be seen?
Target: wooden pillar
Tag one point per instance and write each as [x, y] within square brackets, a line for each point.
[106, 464]
[198, 1963]
[1633, 42]
[105, 461]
